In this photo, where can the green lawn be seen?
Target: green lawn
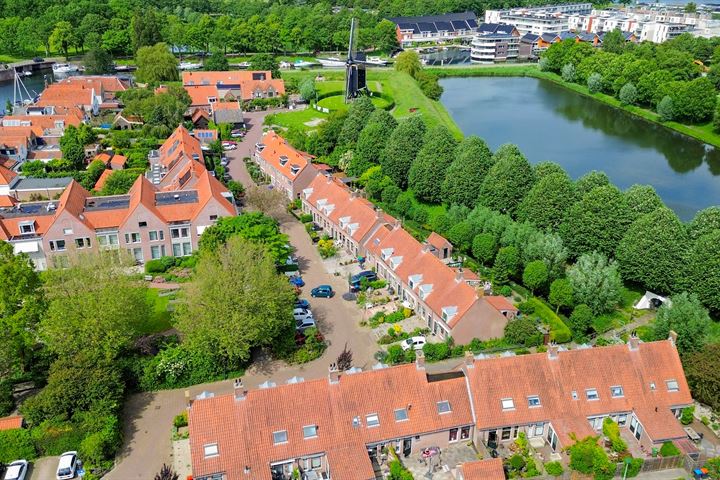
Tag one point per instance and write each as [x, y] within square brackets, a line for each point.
[337, 102]
[297, 119]
[159, 320]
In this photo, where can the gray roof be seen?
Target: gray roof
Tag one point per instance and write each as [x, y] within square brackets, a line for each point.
[228, 116]
[499, 28]
[31, 183]
[448, 22]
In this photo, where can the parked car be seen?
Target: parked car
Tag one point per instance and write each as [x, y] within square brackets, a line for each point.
[237, 133]
[224, 161]
[38, 59]
[416, 343]
[229, 146]
[291, 260]
[316, 227]
[16, 470]
[297, 281]
[302, 303]
[300, 314]
[67, 466]
[302, 325]
[356, 280]
[323, 291]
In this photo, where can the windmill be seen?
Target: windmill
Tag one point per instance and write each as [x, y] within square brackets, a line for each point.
[355, 82]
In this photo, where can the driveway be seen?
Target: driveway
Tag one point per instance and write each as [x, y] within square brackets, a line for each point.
[148, 416]
[43, 468]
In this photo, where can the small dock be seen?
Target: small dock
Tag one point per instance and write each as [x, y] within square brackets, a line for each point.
[6, 70]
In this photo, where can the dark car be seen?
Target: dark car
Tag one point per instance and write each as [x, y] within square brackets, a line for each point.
[302, 303]
[297, 281]
[356, 280]
[323, 291]
[38, 59]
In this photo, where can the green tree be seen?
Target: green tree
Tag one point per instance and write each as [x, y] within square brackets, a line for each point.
[690, 7]
[236, 302]
[63, 35]
[535, 275]
[507, 181]
[595, 83]
[402, 148]
[581, 320]
[595, 282]
[156, 64]
[561, 294]
[385, 36]
[522, 331]
[307, 90]
[547, 201]
[704, 270]
[628, 94]
[597, 222]
[408, 62]
[666, 109]
[642, 199]
[464, 177]
[705, 221]
[98, 61]
[94, 307]
[265, 61]
[686, 316]
[484, 248]
[371, 142]
[589, 181]
[145, 26]
[543, 169]
[506, 265]
[653, 251]
[358, 115]
[549, 248]
[614, 41]
[702, 369]
[120, 181]
[72, 148]
[568, 72]
[217, 62]
[428, 172]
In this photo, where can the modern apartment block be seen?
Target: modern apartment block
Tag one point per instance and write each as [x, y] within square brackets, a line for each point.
[150, 221]
[495, 42]
[337, 428]
[435, 28]
[500, 16]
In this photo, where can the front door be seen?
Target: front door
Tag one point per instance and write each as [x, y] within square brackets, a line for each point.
[492, 439]
[407, 446]
[453, 435]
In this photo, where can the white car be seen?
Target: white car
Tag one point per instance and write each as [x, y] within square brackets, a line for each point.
[17, 470]
[229, 146]
[67, 466]
[302, 314]
[416, 343]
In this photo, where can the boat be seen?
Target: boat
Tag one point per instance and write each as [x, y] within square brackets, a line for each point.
[243, 65]
[190, 66]
[302, 64]
[376, 61]
[64, 68]
[331, 62]
[25, 73]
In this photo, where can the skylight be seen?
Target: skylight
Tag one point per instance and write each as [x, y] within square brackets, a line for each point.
[372, 420]
[211, 450]
[617, 392]
[592, 394]
[443, 407]
[401, 414]
[280, 437]
[310, 431]
[533, 401]
[672, 385]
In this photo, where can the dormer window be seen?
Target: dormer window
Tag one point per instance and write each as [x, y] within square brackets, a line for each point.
[310, 431]
[283, 160]
[294, 169]
[27, 228]
[386, 253]
[425, 290]
[212, 99]
[616, 392]
[211, 450]
[507, 404]
[395, 262]
[672, 385]
[414, 280]
[443, 407]
[592, 394]
[343, 221]
[533, 401]
[448, 312]
[280, 437]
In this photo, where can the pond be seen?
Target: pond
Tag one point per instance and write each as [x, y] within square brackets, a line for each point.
[549, 122]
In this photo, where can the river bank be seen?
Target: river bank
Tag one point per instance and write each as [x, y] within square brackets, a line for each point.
[704, 133]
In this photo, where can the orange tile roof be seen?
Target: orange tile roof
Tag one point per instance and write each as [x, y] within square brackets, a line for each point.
[11, 423]
[226, 106]
[118, 162]
[243, 429]
[6, 175]
[277, 147]
[500, 303]
[437, 241]
[230, 77]
[488, 469]
[242, 79]
[103, 178]
[554, 380]
[7, 201]
[199, 94]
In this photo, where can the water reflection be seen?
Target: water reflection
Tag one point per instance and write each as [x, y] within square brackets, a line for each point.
[549, 122]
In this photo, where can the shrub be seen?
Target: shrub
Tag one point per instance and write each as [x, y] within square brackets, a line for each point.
[522, 331]
[395, 317]
[666, 109]
[517, 462]
[634, 468]
[306, 217]
[554, 469]
[612, 431]
[101, 444]
[628, 94]
[7, 402]
[55, 436]
[687, 416]
[377, 284]
[568, 72]
[527, 308]
[435, 352]
[327, 248]
[154, 266]
[16, 444]
[395, 354]
[594, 83]
[181, 420]
[506, 291]
[669, 449]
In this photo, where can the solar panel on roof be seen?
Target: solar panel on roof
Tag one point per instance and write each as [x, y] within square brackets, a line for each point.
[459, 24]
[472, 23]
[444, 26]
[427, 27]
[406, 26]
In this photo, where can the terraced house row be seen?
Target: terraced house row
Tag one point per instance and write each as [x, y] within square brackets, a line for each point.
[354, 418]
[163, 214]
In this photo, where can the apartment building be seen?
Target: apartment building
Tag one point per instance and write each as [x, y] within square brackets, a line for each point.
[439, 294]
[495, 42]
[499, 16]
[435, 28]
[339, 430]
[290, 170]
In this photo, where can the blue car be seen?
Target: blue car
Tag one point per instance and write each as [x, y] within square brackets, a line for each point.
[302, 303]
[323, 291]
[297, 281]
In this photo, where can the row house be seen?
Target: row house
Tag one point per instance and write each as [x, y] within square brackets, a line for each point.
[555, 396]
[147, 222]
[500, 16]
[418, 272]
[290, 171]
[347, 420]
[435, 28]
[178, 162]
[90, 93]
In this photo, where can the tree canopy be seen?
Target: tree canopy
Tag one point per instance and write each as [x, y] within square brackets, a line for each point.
[402, 148]
[465, 175]
[429, 169]
[507, 181]
[685, 316]
[547, 201]
[156, 64]
[595, 282]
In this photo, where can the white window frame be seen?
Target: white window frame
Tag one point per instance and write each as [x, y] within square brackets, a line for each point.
[372, 420]
[616, 391]
[403, 413]
[211, 450]
[534, 401]
[592, 392]
[311, 433]
[55, 247]
[507, 404]
[441, 409]
[672, 385]
[278, 437]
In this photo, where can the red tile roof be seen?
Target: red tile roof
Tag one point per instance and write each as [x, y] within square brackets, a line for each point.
[554, 380]
[11, 423]
[488, 469]
[243, 429]
[438, 241]
[276, 149]
[6, 175]
[500, 303]
[7, 201]
[101, 181]
[201, 85]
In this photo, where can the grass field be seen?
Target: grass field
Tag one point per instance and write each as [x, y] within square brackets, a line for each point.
[703, 132]
[296, 119]
[159, 320]
[337, 102]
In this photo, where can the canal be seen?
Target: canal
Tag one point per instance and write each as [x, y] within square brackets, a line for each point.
[549, 122]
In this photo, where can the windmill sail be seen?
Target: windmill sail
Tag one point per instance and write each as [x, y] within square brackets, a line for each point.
[355, 81]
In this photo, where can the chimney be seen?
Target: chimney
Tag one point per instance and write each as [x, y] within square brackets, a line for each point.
[329, 179]
[553, 351]
[353, 194]
[379, 214]
[673, 337]
[459, 275]
[633, 342]
[419, 360]
[239, 389]
[333, 373]
[469, 359]
[425, 247]
[397, 224]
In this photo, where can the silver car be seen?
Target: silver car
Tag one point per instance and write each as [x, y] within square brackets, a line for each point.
[17, 470]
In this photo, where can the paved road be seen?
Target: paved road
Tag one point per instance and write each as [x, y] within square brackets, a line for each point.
[148, 416]
[43, 468]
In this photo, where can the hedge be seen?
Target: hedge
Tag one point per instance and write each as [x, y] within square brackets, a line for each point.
[559, 332]
[16, 444]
